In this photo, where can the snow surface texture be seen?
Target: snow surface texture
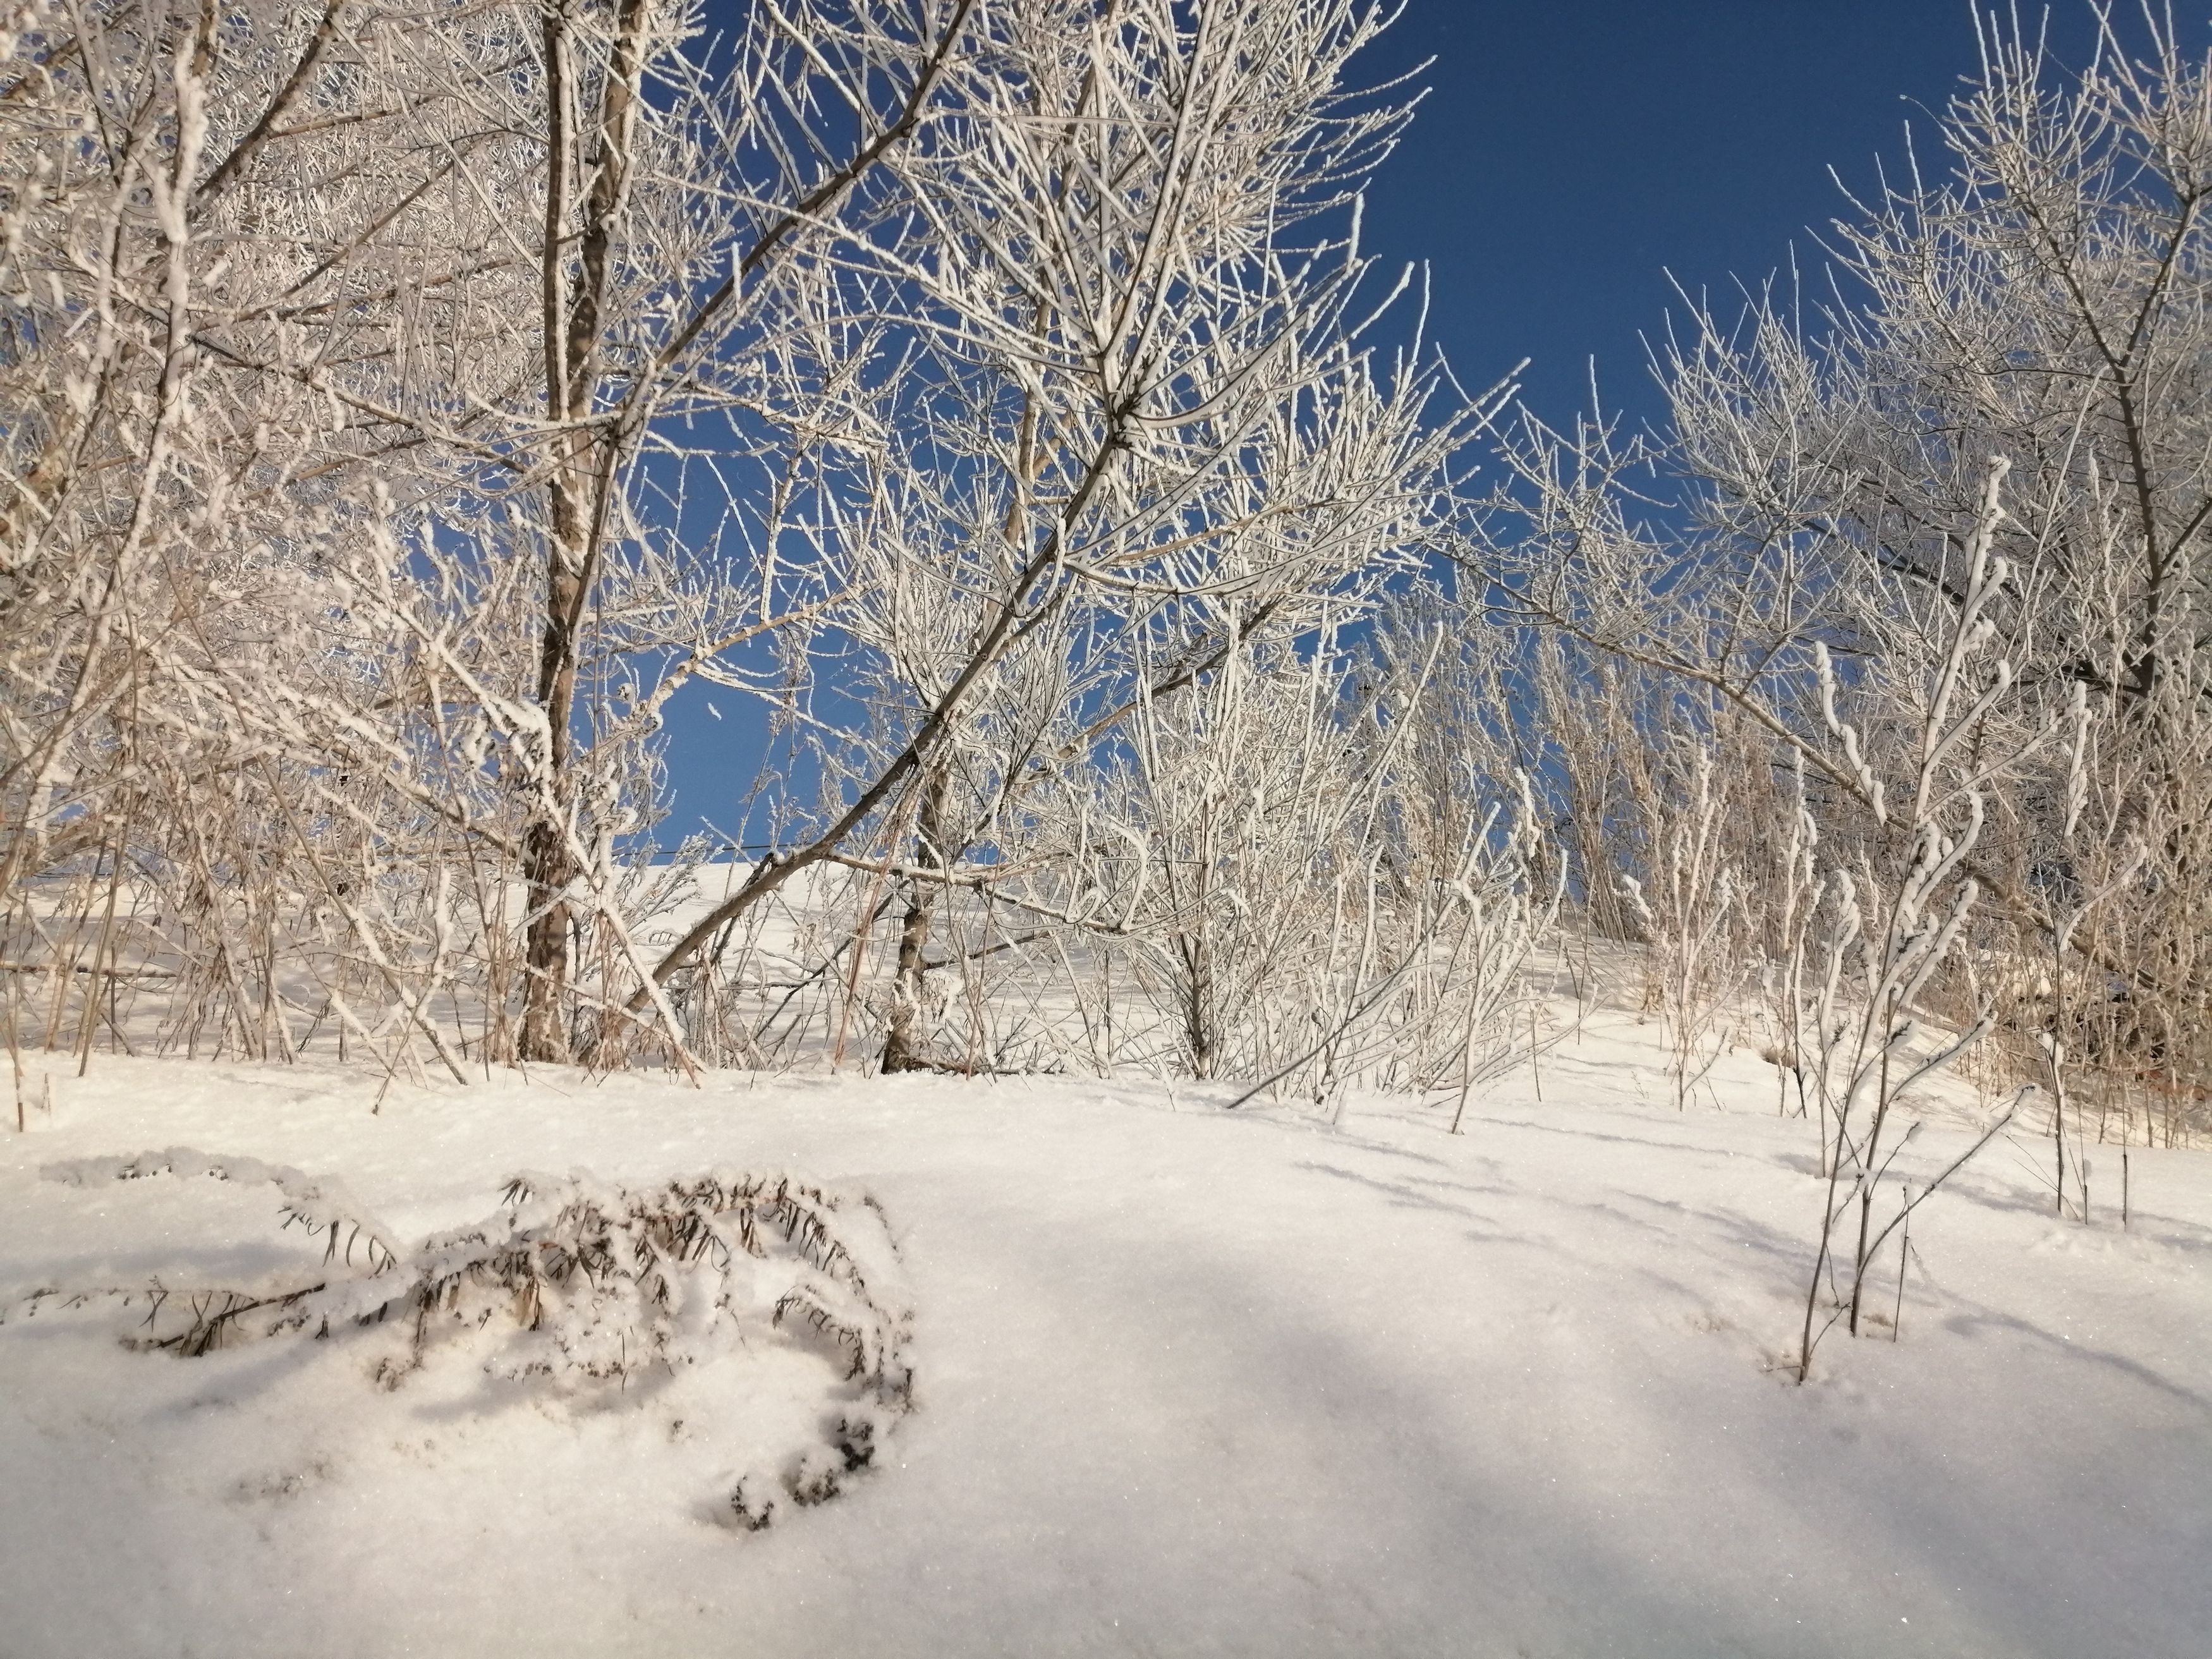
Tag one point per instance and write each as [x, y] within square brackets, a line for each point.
[1185, 1382]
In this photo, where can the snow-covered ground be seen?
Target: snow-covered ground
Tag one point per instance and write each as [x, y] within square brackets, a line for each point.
[1187, 1382]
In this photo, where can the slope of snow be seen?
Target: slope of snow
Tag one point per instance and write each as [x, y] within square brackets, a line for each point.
[1187, 1382]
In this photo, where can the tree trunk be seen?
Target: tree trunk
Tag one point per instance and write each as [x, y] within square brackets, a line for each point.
[571, 323]
[907, 1047]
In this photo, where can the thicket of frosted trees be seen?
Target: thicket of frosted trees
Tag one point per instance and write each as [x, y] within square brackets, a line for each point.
[401, 402]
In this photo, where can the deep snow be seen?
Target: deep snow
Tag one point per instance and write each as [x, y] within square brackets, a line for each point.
[1187, 1382]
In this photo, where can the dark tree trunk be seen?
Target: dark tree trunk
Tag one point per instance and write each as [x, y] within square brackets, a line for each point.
[572, 322]
[906, 1049]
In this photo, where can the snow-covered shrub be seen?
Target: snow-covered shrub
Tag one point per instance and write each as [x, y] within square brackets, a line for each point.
[572, 1277]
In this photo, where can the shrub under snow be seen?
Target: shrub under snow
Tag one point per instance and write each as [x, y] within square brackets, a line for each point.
[571, 1276]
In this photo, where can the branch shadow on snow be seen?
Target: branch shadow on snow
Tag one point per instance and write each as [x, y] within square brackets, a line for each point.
[1412, 1191]
[1831, 1488]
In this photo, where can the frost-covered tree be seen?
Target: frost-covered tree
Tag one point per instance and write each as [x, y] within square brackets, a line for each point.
[2037, 297]
[404, 402]
[378, 404]
[1129, 421]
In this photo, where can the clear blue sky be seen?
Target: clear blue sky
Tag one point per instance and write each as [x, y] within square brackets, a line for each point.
[1572, 152]
[1569, 155]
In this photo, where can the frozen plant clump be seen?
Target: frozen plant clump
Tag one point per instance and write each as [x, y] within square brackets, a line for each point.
[571, 1277]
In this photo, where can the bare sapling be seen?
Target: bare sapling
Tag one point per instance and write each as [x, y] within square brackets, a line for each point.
[1887, 939]
[1689, 906]
[2074, 906]
[1800, 892]
[1505, 915]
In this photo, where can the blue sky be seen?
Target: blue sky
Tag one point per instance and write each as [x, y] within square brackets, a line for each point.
[1570, 155]
[1572, 152]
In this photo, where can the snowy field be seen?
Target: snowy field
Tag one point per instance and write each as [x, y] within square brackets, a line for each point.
[1187, 1382]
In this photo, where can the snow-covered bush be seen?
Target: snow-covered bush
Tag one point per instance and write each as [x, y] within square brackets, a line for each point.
[572, 1277]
